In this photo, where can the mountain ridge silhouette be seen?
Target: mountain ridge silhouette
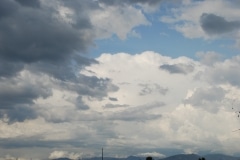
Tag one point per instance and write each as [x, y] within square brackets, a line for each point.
[173, 157]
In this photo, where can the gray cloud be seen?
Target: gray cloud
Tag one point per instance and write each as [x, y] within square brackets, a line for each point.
[145, 90]
[9, 69]
[209, 58]
[17, 97]
[109, 105]
[7, 8]
[213, 24]
[211, 94]
[208, 98]
[113, 99]
[66, 70]
[36, 142]
[80, 104]
[33, 35]
[90, 86]
[133, 116]
[226, 72]
[116, 2]
[29, 3]
[14, 93]
[178, 68]
[224, 76]
[138, 113]
[19, 113]
[152, 88]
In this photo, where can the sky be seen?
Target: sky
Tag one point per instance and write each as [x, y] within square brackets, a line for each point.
[135, 77]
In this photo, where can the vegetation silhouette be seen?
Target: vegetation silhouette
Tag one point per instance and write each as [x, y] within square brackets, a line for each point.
[149, 158]
[201, 158]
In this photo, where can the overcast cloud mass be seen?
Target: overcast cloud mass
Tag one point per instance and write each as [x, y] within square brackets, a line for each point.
[136, 77]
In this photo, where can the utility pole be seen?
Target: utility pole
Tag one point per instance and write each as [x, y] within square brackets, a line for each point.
[102, 153]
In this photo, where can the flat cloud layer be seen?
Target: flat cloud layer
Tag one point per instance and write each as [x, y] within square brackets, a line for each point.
[55, 102]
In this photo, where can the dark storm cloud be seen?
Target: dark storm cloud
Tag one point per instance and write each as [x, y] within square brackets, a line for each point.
[9, 69]
[17, 98]
[30, 35]
[14, 93]
[19, 113]
[213, 24]
[66, 70]
[29, 3]
[34, 37]
[7, 8]
[177, 68]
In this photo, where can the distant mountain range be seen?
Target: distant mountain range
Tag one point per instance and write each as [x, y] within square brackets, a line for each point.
[175, 157]
[196, 157]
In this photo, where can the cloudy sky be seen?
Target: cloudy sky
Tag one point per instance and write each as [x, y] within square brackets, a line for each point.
[136, 77]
